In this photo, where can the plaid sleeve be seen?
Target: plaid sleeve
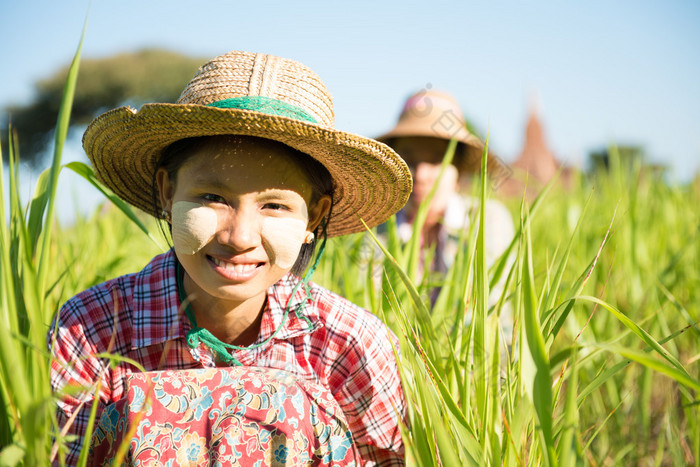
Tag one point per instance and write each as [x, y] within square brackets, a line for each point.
[371, 396]
[74, 373]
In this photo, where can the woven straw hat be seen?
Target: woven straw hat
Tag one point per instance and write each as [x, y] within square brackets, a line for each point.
[260, 95]
[436, 114]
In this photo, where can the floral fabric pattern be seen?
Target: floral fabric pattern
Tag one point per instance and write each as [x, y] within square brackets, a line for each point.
[223, 416]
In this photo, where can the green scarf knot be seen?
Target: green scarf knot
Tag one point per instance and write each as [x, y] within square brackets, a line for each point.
[198, 335]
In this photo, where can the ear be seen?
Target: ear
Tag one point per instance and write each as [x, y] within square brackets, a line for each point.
[318, 211]
[166, 189]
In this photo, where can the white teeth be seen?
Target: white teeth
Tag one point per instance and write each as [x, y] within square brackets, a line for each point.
[239, 268]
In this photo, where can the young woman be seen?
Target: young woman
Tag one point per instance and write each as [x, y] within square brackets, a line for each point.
[246, 361]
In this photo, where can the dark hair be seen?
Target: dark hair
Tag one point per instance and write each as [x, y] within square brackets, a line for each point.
[175, 155]
[466, 158]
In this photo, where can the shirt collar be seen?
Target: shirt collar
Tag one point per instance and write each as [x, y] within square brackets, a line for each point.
[155, 302]
[302, 317]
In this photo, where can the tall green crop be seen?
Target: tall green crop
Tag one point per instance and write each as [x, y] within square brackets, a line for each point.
[604, 365]
[25, 429]
[602, 280]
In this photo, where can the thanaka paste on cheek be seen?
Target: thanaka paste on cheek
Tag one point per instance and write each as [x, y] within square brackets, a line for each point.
[282, 239]
[194, 225]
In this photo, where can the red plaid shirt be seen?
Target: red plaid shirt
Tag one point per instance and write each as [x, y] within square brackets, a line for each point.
[330, 341]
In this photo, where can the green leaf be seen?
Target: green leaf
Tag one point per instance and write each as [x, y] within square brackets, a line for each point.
[414, 244]
[88, 174]
[541, 390]
[423, 313]
[657, 365]
[59, 139]
[37, 208]
[636, 329]
[577, 288]
[567, 443]
[11, 455]
[481, 297]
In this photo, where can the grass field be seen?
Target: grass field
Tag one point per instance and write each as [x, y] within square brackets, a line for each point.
[603, 281]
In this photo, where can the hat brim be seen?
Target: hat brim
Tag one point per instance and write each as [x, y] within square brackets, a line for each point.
[371, 182]
[472, 148]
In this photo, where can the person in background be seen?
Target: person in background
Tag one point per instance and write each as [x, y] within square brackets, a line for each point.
[428, 121]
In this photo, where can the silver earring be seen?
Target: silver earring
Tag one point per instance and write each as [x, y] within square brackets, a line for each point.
[165, 215]
[309, 238]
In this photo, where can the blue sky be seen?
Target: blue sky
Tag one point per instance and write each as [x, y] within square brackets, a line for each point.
[624, 71]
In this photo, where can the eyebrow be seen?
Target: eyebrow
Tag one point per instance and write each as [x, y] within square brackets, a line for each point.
[274, 193]
[217, 184]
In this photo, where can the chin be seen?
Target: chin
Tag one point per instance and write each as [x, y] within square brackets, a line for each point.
[220, 288]
[236, 293]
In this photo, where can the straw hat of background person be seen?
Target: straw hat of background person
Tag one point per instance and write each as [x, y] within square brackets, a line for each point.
[243, 93]
[436, 114]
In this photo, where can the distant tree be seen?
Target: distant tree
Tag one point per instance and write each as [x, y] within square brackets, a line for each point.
[149, 75]
[631, 159]
[628, 157]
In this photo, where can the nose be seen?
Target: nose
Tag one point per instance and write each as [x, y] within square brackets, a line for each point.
[424, 176]
[240, 229]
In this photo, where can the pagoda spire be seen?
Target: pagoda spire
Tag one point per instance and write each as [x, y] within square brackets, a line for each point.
[536, 158]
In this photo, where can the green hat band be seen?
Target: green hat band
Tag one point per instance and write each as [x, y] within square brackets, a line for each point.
[266, 105]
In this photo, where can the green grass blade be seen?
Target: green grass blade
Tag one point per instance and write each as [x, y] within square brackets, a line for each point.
[610, 372]
[659, 366]
[423, 313]
[567, 444]
[556, 282]
[636, 329]
[37, 207]
[577, 288]
[499, 266]
[59, 139]
[541, 385]
[414, 244]
[494, 407]
[88, 174]
[481, 297]
[602, 425]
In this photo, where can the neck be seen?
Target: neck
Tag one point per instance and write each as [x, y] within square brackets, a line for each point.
[236, 323]
[431, 226]
[431, 233]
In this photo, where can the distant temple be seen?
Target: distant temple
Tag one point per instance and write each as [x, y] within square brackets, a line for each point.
[536, 165]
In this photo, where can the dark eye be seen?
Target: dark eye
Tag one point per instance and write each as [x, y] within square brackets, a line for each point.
[213, 198]
[275, 206]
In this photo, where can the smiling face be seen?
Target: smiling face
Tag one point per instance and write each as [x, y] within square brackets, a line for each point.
[240, 214]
